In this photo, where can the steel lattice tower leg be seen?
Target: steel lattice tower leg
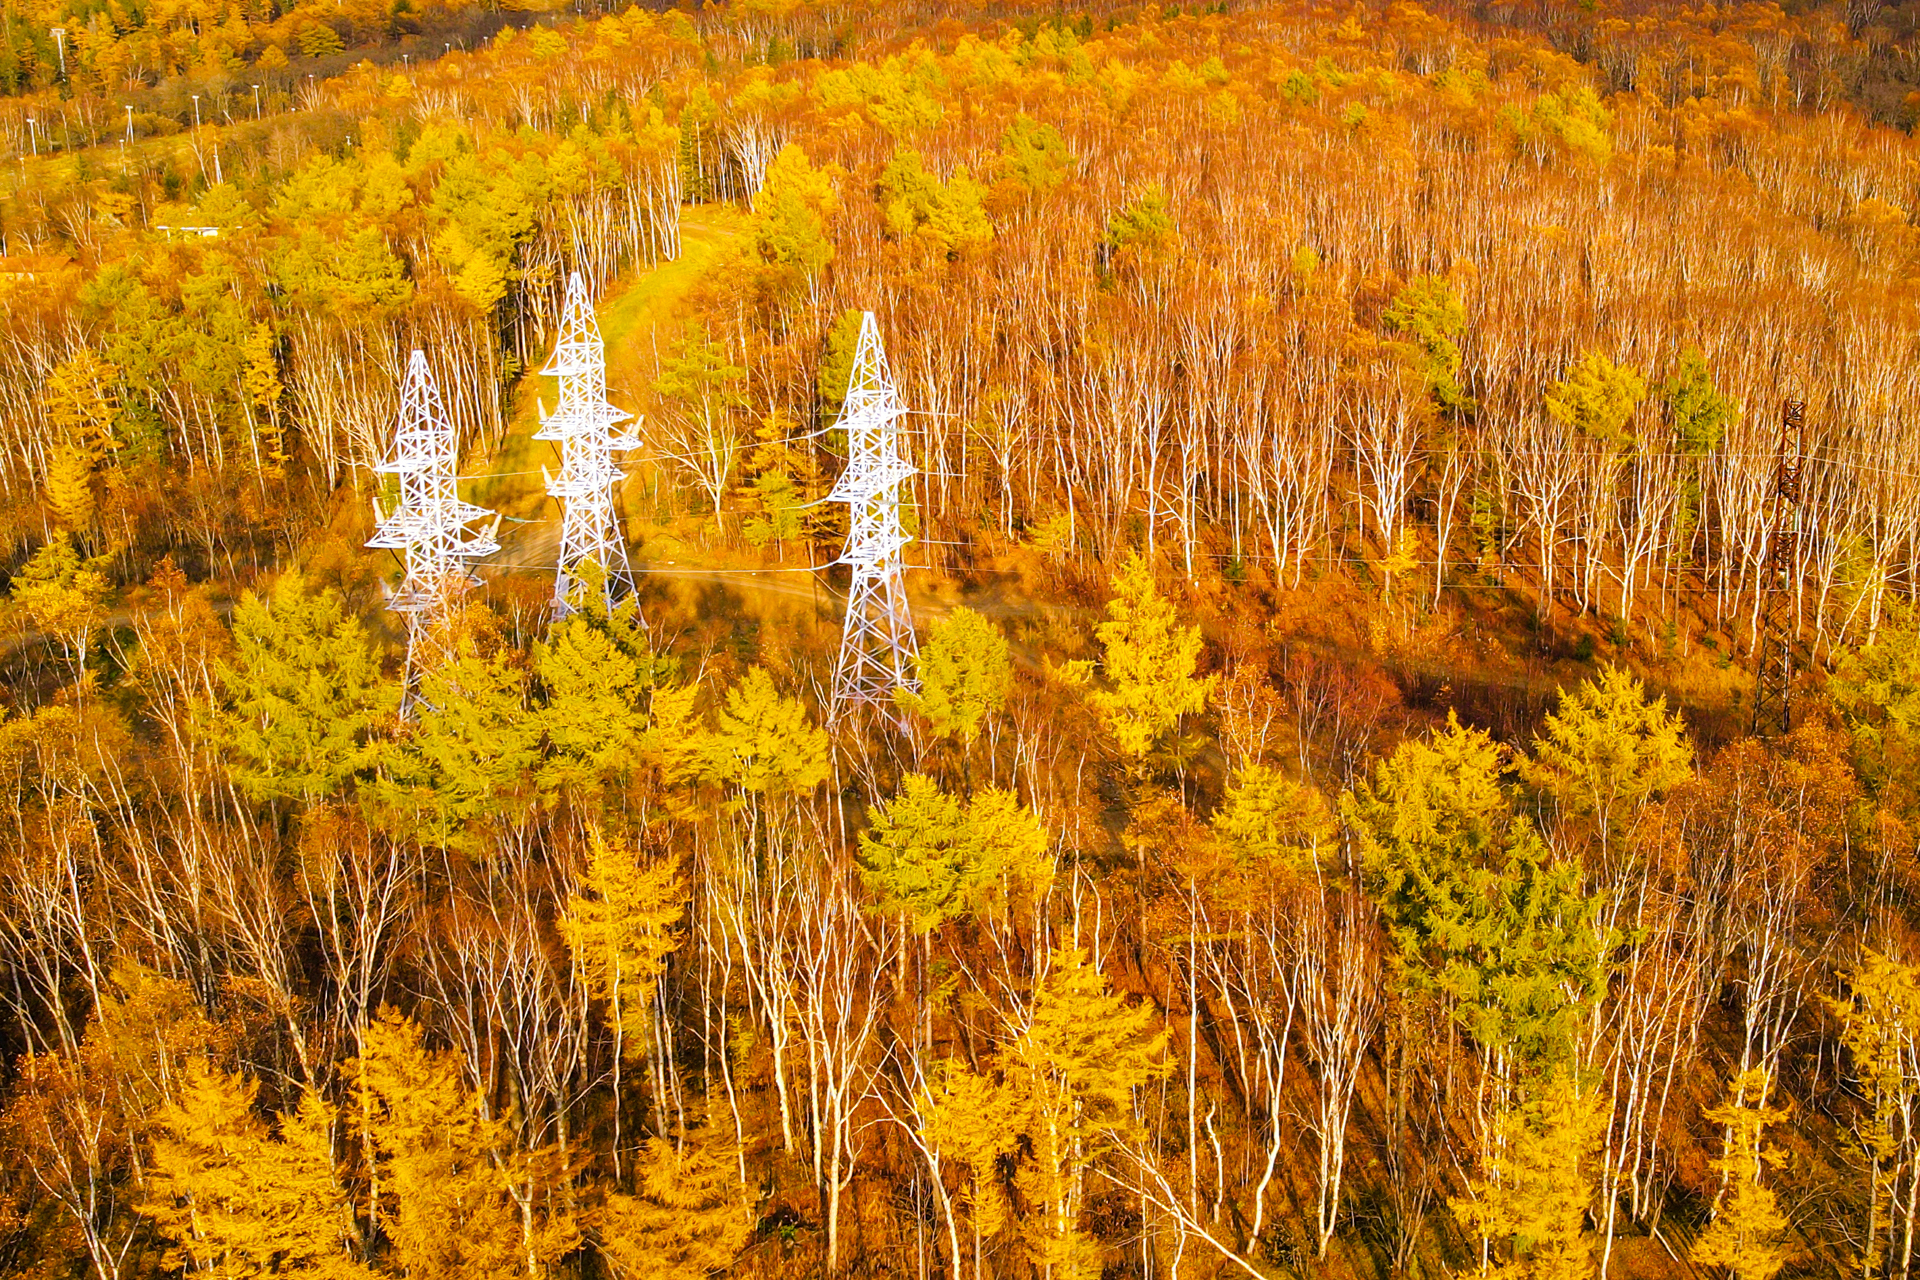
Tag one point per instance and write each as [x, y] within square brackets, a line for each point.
[583, 424]
[877, 648]
[429, 523]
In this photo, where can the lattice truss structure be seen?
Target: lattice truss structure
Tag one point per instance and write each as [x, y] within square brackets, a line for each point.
[585, 427]
[429, 524]
[877, 648]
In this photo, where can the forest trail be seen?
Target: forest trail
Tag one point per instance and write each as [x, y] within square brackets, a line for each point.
[631, 318]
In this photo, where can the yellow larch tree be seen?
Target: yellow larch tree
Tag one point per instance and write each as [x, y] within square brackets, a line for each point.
[235, 1201]
[69, 487]
[64, 598]
[1149, 661]
[688, 1218]
[621, 924]
[264, 394]
[1533, 1195]
[1880, 1029]
[1063, 1097]
[1745, 1236]
[454, 1196]
[83, 403]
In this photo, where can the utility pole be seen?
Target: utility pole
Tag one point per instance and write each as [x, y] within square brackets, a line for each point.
[583, 425]
[429, 525]
[1773, 648]
[877, 648]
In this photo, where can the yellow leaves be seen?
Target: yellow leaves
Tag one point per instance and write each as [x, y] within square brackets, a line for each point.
[264, 391]
[1536, 1192]
[950, 216]
[62, 596]
[477, 276]
[793, 211]
[689, 1219]
[317, 40]
[69, 487]
[1880, 1028]
[1059, 1096]
[1267, 818]
[899, 93]
[1444, 787]
[977, 1122]
[610, 33]
[115, 208]
[964, 671]
[1597, 399]
[238, 1202]
[932, 858]
[1609, 745]
[1120, 83]
[1149, 663]
[150, 1026]
[676, 740]
[570, 169]
[765, 742]
[1572, 118]
[620, 927]
[482, 282]
[83, 403]
[1745, 1236]
[1401, 560]
[457, 1199]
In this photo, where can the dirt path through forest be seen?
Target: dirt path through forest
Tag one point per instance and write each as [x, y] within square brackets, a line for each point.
[636, 317]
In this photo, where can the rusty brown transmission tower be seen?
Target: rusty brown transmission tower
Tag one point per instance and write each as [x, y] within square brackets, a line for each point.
[1773, 651]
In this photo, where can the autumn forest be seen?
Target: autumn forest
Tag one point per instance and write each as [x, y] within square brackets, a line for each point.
[1405, 762]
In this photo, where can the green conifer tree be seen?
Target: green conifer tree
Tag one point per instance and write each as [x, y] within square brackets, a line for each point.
[592, 715]
[765, 742]
[1149, 663]
[964, 671]
[1697, 411]
[301, 696]
[1481, 917]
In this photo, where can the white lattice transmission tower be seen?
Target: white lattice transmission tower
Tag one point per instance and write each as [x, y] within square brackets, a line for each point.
[877, 647]
[428, 524]
[588, 432]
